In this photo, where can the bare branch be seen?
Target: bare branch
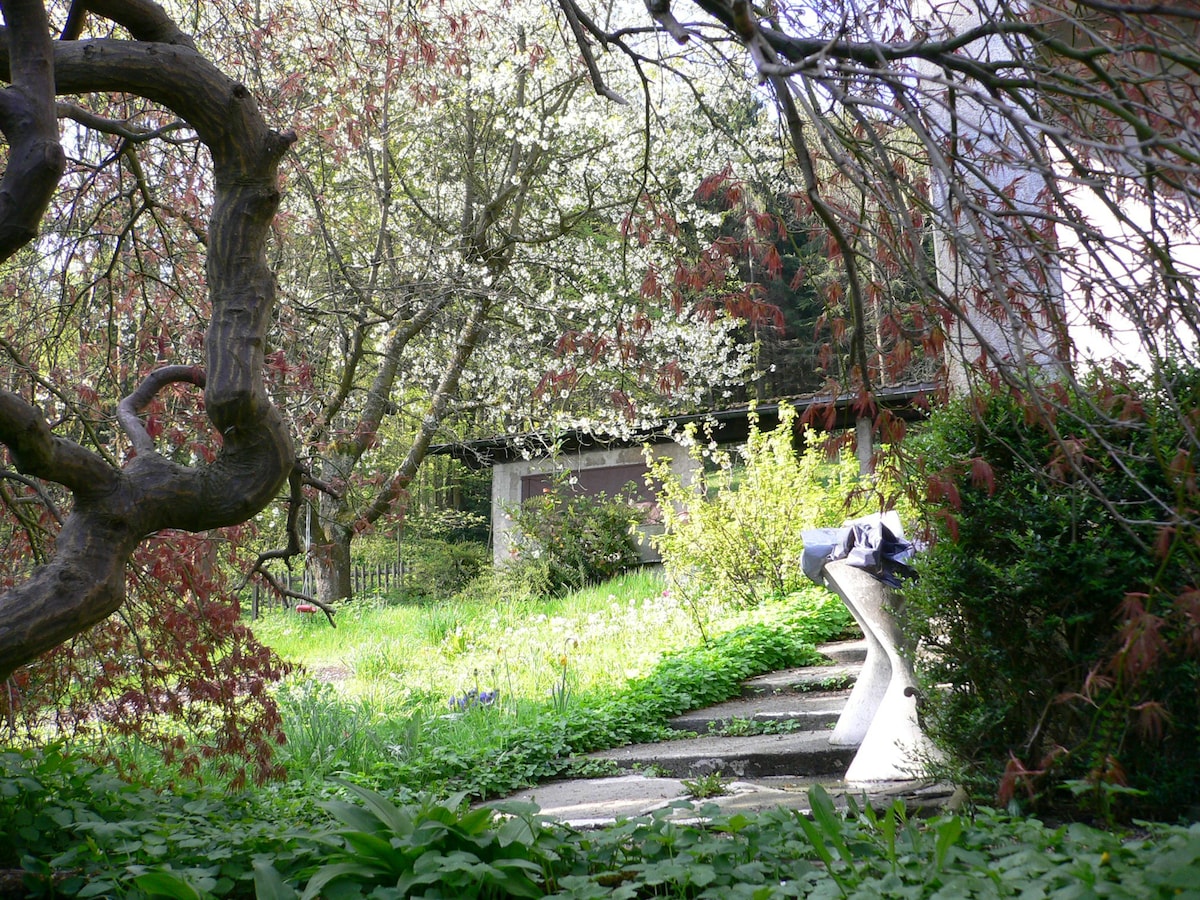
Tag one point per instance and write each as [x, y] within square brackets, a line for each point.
[285, 591]
[129, 408]
[660, 10]
[38, 489]
[115, 127]
[575, 18]
[311, 481]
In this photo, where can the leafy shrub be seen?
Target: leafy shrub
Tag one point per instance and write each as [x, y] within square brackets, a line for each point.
[525, 579]
[436, 569]
[580, 539]
[177, 670]
[1055, 605]
[736, 533]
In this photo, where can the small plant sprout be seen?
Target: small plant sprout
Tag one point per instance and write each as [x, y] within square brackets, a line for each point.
[561, 691]
[702, 787]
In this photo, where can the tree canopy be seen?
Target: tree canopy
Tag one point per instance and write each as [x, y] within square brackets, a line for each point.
[1030, 169]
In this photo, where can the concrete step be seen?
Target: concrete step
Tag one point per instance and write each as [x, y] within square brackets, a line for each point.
[851, 652]
[760, 771]
[845, 662]
[801, 753]
[792, 695]
[812, 711]
[595, 803]
[800, 681]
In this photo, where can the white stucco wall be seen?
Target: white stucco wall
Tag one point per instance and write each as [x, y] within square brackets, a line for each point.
[506, 484]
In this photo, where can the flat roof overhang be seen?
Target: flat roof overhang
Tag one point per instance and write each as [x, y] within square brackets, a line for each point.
[822, 412]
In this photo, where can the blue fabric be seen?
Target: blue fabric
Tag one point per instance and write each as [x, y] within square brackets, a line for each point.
[872, 543]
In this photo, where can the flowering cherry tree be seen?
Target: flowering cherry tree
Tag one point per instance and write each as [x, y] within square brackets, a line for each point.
[456, 257]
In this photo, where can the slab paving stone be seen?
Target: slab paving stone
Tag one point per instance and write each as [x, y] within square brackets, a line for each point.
[598, 802]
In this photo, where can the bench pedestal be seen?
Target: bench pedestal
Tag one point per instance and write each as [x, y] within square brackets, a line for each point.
[881, 713]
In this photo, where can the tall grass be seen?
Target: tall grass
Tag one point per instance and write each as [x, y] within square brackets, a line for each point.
[400, 654]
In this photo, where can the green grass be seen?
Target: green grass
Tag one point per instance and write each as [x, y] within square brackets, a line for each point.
[487, 697]
[417, 656]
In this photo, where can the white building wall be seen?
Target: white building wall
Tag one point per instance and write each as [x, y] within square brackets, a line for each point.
[506, 485]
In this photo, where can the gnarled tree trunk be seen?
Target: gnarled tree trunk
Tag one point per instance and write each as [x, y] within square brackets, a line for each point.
[115, 508]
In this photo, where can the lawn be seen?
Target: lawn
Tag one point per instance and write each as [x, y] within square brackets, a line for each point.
[488, 696]
[412, 655]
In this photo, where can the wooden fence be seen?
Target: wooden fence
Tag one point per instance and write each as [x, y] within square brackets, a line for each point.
[378, 578]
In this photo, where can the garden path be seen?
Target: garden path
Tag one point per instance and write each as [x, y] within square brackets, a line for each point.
[797, 707]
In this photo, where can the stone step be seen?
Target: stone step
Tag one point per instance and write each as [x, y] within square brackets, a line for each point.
[801, 753]
[805, 680]
[792, 695]
[758, 772]
[852, 652]
[595, 803]
[813, 711]
[845, 661]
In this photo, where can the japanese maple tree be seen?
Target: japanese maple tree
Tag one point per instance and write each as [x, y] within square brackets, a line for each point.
[101, 491]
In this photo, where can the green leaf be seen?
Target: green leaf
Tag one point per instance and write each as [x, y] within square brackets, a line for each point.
[372, 846]
[477, 821]
[162, 883]
[396, 819]
[816, 840]
[948, 833]
[352, 815]
[328, 874]
[100, 887]
[826, 816]
[269, 884]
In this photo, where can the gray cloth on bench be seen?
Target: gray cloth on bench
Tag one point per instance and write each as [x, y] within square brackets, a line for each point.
[873, 543]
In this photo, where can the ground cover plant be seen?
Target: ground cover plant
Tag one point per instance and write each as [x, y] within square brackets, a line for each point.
[107, 838]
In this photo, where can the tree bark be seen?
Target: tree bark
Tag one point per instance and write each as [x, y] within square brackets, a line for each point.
[332, 568]
[329, 556]
[115, 509]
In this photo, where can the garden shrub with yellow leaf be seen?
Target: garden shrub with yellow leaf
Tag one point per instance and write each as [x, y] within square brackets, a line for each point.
[734, 531]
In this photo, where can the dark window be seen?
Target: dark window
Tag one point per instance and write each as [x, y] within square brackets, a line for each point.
[609, 480]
